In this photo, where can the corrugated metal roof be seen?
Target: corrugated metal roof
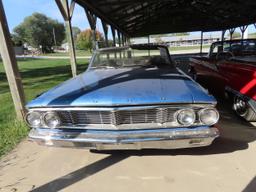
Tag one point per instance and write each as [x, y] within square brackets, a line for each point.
[137, 18]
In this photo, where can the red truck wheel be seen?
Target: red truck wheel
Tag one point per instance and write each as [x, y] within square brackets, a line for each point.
[243, 109]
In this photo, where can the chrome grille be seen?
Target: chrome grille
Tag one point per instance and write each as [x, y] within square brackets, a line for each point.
[119, 117]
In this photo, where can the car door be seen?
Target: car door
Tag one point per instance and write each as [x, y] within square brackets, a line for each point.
[209, 74]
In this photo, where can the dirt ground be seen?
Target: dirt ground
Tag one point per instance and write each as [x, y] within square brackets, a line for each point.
[229, 164]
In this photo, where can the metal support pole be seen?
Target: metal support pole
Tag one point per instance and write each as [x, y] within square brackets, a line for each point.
[65, 11]
[201, 42]
[10, 66]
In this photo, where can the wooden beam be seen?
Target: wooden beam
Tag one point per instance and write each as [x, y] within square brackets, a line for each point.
[231, 32]
[65, 11]
[113, 35]
[99, 14]
[10, 66]
[119, 38]
[243, 29]
[223, 35]
[72, 8]
[105, 30]
[201, 42]
[122, 36]
[62, 9]
[92, 19]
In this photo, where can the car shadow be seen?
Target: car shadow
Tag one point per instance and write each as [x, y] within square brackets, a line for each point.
[251, 186]
[82, 173]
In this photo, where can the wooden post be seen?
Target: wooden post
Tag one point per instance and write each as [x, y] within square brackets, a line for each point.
[10, 65]
[113, 35]
[201, 43]
[105, 30]
[92, 21]
[148, 44]
[231, 32]
[223, 35]
[123, 43]
[65, 11]
[243, 29]
[119, 38]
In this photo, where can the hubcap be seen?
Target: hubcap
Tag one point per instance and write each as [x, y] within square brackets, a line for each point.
[240, 106]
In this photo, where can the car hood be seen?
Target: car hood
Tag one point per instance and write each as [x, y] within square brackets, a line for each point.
[123, 87]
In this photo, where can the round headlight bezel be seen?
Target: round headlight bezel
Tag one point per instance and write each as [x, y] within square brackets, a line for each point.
[203, 111]
[45, 121]
[31, 124]
[179, 113]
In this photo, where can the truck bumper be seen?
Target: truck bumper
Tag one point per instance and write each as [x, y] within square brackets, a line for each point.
[123, 140]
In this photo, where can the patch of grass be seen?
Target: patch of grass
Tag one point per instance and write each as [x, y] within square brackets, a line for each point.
[38, 75]
[79, 53]
[188, 48]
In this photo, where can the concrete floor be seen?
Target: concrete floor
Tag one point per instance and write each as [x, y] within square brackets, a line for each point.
[227, 165]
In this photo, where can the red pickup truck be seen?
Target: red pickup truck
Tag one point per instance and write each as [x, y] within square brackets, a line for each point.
[230, 69]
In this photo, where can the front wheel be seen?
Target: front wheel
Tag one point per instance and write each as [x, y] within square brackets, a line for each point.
[243, 109]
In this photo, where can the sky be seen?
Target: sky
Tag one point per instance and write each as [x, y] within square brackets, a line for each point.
[17, 10]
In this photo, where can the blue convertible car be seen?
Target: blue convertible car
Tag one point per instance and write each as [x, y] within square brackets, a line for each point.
[129, 98]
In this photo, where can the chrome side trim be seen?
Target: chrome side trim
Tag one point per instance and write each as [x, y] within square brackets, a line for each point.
[134, 139]
[127, 126]
[252, 103]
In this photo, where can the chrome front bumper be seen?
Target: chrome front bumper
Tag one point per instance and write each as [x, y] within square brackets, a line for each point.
[121, 140]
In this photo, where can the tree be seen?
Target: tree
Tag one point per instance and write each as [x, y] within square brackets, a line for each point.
[38, 31]
[16, 40]
[159, 40]
[236, 35]
[85, 39]
[76, 31]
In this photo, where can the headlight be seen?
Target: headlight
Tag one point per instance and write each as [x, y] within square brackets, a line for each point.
[51, 120]
[209, 116]
[186, 117]
[33, 119]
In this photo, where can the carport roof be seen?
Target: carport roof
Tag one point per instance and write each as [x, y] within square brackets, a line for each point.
[145, 17]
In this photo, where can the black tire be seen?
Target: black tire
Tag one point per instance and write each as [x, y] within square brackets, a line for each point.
[243, 109]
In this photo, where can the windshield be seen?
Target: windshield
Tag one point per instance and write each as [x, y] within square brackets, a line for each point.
[121, 58]
[237, 48]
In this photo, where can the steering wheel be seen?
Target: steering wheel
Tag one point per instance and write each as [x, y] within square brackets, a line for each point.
[224, 55]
